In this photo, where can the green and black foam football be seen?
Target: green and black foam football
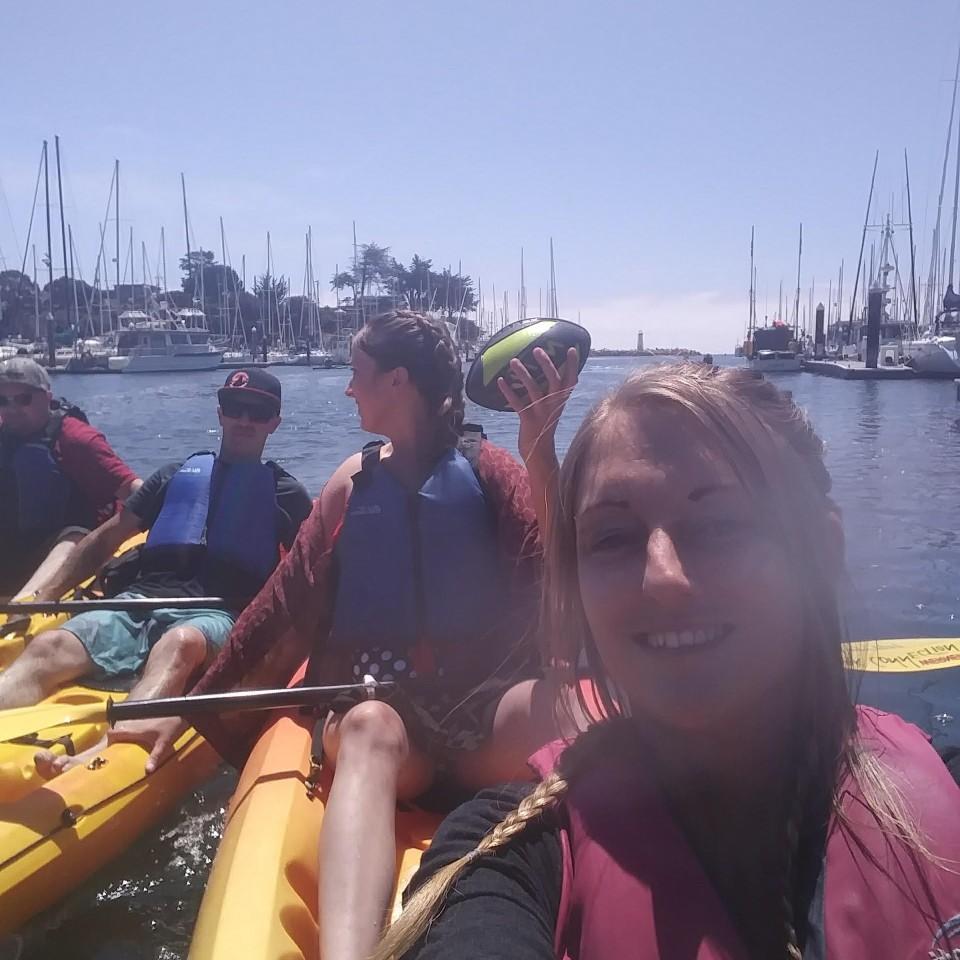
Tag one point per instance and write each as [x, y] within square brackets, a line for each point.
[519, 339]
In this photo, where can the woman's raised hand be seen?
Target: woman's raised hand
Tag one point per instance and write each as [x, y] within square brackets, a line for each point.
[541, 408]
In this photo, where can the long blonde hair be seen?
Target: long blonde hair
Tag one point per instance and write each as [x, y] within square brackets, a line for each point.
[778, 457]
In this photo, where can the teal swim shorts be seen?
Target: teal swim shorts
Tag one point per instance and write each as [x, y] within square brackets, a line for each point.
[119, 642]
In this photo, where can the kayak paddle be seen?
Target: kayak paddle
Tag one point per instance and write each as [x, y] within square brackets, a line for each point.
[129, 604]
[23, 721]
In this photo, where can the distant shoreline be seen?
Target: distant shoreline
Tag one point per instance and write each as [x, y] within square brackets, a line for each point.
[656, 352]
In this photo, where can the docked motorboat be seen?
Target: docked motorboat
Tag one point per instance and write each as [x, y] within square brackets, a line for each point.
[164, 344]
[773, 349]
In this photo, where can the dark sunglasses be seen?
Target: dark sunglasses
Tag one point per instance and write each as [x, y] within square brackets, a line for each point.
[20, 399]
[257, 413]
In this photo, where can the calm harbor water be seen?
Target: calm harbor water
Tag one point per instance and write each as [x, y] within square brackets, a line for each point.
[893, 450]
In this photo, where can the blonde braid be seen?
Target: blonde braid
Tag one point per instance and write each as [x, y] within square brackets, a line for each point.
[424, 905]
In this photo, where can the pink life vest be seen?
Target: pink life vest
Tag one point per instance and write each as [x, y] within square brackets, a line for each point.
[634, 890]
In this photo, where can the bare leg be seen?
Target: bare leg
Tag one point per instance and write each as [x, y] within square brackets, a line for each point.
[51, 659]
[172, 661]
[528, 716]
[53, 562]
[376, 765]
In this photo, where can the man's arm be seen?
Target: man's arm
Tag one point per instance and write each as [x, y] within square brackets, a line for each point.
[90, 554]
[90, 461]
[129, 488]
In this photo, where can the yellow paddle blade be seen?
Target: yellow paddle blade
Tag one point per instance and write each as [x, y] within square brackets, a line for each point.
[22, 721]
[903, 656]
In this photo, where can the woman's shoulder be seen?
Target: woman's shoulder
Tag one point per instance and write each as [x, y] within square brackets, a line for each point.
[336, 491]
[500, 471]
[535, 851]
[901, 746]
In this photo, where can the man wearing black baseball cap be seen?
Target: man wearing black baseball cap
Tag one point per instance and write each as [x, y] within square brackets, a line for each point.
[216, 523]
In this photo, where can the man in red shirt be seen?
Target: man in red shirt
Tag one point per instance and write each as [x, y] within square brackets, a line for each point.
[59, 478]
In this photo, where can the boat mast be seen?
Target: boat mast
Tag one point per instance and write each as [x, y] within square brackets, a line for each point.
[269, 288]
[36, 295]
[840, 295]
[101, 264]
[116, 174]
[953, 231]
[913, 250]
[553, 285]
[796, 303]
[73, 285]
[143, 272]
[100, 271]
[361, 316]
[863, 241]
[523, 289]
[224, 296]
[751, 309]
[51, 346]
[186, 231]
[63, 232]
[163, 257]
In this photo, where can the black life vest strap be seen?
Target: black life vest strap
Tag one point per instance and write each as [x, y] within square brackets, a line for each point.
[60, 410]
[369, 460]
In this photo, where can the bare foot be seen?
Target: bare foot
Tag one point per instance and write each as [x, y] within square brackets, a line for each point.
[50, 765]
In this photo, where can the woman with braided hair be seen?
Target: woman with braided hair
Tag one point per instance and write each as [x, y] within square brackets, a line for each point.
[733, 803]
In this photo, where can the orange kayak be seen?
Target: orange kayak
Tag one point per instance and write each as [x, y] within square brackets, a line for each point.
[261, 898]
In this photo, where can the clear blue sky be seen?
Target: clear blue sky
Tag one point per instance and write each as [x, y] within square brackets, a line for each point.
[645, 137]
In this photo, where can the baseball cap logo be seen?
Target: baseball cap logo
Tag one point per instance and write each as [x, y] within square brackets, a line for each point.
[238, 379]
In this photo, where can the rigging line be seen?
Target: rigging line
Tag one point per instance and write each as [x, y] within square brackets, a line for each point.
[33, 210]
[103, 230]
[71, 197]
[13, 229]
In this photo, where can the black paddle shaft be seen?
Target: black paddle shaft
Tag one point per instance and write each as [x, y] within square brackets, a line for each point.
[128, 604]
[236, 701]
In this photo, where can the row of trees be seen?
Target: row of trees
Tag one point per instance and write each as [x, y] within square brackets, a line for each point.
[419, 285]
[220, 292]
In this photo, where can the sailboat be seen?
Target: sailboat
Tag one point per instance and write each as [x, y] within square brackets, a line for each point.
[937, 352]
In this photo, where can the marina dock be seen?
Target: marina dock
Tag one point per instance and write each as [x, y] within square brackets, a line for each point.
[858, 370]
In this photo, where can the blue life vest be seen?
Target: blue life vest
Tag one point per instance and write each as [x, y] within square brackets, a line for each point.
[417, 569]
[235, 524]
[41, 489]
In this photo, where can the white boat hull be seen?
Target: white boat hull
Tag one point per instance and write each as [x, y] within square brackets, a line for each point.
[208, 360]
[935, 357]
[775, 364]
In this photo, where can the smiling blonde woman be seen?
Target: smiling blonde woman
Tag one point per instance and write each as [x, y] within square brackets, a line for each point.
[735, 803]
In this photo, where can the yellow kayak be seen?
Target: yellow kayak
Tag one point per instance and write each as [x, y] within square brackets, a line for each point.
[54, 834]
[14, 635]
[261, 897]
[18, 774]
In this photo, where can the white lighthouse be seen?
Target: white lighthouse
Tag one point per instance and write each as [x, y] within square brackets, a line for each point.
[639, 341]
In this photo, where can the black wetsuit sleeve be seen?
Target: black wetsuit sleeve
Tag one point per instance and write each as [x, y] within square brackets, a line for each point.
[147, 502]
[294, 504]
[505, 906]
